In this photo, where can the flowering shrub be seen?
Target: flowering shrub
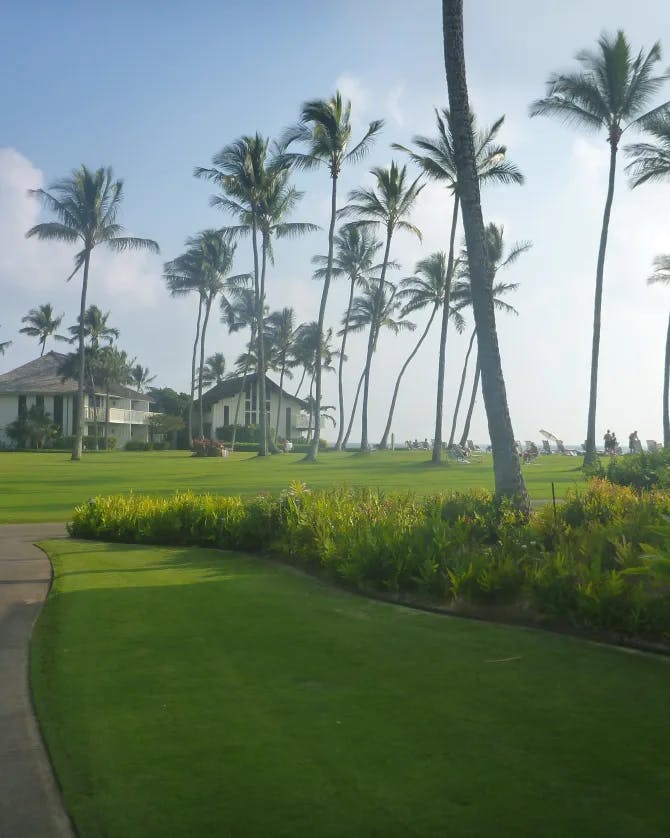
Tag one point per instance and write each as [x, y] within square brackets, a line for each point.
[203, 447]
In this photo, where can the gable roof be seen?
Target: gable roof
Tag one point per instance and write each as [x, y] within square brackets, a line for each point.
[231, 387]
[43, 376]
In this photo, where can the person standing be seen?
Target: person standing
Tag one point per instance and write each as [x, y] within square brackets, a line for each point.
[608, 442]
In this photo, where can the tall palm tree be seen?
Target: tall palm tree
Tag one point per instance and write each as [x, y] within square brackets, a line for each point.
[436, 158]
[86, 206]
[612, 90]
[214, 370]
[324, 129]
[497, 260]
[651, 161]
[140, 377]
[281, 325]
[506, 466]
[4, 345]
[112, 368]
[96, 328]
[377, 308]
[388, 204]
[426, 289]
[662, 274]
[355, 252]
[42, 325]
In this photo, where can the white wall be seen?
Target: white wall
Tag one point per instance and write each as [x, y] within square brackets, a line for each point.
[216, 415]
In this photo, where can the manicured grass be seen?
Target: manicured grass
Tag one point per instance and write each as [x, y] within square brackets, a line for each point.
[195, 692]
[46, 486]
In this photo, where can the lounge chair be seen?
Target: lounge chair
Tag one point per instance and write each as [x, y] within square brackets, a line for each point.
[652, 446]
[546, 448]
[455, 452]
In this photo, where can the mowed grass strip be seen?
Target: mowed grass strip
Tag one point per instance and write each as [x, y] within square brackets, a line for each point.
[196, 692]
[46, 486]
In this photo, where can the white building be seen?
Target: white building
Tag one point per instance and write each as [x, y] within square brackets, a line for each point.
[220, 403]
[40, 383]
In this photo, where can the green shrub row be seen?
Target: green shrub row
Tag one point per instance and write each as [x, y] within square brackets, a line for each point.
[600, 561]
[646, 470]
[138, 445]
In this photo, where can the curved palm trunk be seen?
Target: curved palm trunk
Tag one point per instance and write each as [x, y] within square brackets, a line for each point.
[591, 455]
[281, 393]
[208, 308]
[311, 456]
[43, 342]
[353, 410]
[666, 392]
[506, 465]
[387, 429]
[107, 417]
[446, 311]
[79, 430]
[241, 393]
[262, 413]
[194, 361]
[302, 378]
[311, 410]
[461, 386]
[372, 339]
[473, 397]
[345, 331]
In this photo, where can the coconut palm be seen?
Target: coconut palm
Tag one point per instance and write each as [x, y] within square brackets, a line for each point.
[377, 308]
[436, 158]
[96, 329]
[387, 204]
[612, 90]
[112, 368]
[355, 252]
[214, 370]
[426, 288]
[86, 206]
[140, 377]
[497, 260]
[281, 326]
[662, 274]
[4, 345]
[506, 466]
[42, 325]
[325, 130]
[651, 161]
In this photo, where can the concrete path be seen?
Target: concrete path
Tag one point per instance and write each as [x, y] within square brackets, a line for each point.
[30, 802]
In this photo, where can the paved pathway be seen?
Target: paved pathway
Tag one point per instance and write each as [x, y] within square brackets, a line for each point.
[30, 802]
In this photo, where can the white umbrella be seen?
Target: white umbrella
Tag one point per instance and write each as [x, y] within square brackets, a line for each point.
[549, 435]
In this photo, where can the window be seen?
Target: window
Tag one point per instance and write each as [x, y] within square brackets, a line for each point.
[226, 414]
[23, 408]
[250, 405]
[58, 411]
[39, 402]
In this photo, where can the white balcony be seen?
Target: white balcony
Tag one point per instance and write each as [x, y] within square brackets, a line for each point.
[118, 415]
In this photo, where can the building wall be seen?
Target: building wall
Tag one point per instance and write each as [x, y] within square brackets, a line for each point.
[217, 414]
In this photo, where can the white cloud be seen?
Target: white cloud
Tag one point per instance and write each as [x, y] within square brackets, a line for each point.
[353, 88]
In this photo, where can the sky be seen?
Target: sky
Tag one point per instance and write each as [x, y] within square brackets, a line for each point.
[156, 88]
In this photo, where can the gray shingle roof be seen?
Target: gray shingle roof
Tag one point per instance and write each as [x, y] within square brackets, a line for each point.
[42, 376]
[231, 387]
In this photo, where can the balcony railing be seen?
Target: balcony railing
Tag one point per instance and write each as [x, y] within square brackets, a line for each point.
[118, 415]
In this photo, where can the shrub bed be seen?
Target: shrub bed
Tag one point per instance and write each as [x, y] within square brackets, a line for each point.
[646, 470]
[599, 561]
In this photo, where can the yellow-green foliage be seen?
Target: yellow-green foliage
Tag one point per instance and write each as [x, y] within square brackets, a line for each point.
[599, 560]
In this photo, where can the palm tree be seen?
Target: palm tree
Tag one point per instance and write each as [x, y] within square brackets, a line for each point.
[112, 368]
[436, 158]
[377, 308]
[42, 324]
[662, 274]
[506, 466]
[238, 314]
[388, 204]
[95, 328]
[281, 325]
[214, 370]
[651, 162]
[325, 129]
[4, 345]
[497, 260]
[425, 289]
[612, 90]
[86, 205]
[355, 252]
[140, 377]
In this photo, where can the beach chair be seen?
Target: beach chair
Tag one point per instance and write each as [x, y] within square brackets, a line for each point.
[652, 446]
[560, 446]
[454, 452]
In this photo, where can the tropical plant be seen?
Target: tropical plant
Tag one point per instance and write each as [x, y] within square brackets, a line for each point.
[506, 466]
[661, 274]
[140, 377]
[355, 252]
[651, 161]
[86, 206]
[42, 325]
[4, 345]
[214, 370]
[497, 260]
[111, 368]
[325, 130]
[32, 429]
[436, 158]
[95, 328]
[612, 90]
[387, 204]
[281, 326]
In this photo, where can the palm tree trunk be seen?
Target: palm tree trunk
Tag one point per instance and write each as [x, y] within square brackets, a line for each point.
[506, 465]
[473, 397]
[345, 332]
[208, 307]
[591, 455]
[263, 419]
[446, 312]
[387, 429]
[43, 342]
[666, 392]
[372, 339]
[302, 378]
[460, 389]
[107, 417]
[240, 394]
[311, 456]
[79, 430]
[194, 361]
[281, 391]
[353, 411]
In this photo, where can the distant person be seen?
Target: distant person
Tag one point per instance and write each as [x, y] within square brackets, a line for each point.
[634, 444]
[608, 441]
[614, 444]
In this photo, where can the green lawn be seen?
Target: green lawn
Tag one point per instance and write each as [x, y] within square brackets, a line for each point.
[195, 692]
[46, 486]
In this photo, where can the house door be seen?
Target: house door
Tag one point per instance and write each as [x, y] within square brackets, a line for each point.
[288, 423]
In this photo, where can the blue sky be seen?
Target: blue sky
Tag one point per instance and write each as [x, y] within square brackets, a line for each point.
[155, 89]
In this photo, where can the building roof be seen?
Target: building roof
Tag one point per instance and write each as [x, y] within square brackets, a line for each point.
[43, 376]
[231, 387]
